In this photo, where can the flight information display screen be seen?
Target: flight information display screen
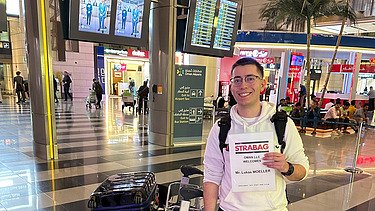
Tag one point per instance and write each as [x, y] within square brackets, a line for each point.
[129, 18]
[212, 27]
[95, 16]
[225, 26]
[203, 23]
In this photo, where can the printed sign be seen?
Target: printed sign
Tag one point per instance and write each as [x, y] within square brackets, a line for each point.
[246, 159]
[188, 103]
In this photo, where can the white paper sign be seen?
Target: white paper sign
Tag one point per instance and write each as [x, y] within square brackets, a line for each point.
[246, 160]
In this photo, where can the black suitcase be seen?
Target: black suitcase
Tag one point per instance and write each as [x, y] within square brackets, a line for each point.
[126, 191]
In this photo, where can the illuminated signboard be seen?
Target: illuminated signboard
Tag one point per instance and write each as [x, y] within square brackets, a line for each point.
[212, 27]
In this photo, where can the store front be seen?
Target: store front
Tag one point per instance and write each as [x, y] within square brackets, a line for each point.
[293, 63]
[122, 65]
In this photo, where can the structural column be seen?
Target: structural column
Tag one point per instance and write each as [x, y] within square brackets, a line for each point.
[40, 79]
[162, 48]
[357, 67]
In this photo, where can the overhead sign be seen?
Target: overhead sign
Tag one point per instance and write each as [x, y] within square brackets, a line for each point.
[128, 53]
[188, 103]
[258, 54]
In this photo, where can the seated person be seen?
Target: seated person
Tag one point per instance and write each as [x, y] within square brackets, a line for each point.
[284, 106]
[312, 117]
[347, 117]
[333, 115]
[360, 115]
[298, 113]
[330, 104]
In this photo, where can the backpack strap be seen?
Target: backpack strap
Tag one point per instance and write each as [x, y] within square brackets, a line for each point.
[224, 124]
[279, 119]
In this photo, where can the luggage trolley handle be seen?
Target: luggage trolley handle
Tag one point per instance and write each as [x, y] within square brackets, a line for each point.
[188, 171]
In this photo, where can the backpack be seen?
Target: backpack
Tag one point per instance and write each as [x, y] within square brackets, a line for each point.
[279, 119]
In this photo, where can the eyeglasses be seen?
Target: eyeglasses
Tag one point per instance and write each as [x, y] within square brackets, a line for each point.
[249, 79]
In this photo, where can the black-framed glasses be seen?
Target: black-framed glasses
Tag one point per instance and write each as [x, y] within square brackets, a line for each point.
[249, 79]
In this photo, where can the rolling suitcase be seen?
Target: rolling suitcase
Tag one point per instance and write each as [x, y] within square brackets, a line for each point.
[126, 191]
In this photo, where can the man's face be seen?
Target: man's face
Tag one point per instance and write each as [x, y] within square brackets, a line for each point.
[247, 94]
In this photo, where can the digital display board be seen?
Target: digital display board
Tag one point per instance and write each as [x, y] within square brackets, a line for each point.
[120, 22]
[203, 23]
[212, 27]
[129, 18]
[226, 21]
[94, 16]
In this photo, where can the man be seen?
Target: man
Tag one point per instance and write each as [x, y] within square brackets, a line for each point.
[333, 115]
[371, 101]
[251, 115]
[330, 104]
[124, 14]
[102, 14]
[18, 86]
[66, 83]
[302, 94]
[135, 19]
[360, 115]
[143, 97]
[55, 89]
[97, 87]
[88, 12]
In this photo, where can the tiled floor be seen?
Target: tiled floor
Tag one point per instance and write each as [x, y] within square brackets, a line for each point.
[94, 144]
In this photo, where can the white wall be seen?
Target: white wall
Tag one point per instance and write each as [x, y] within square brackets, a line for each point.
[80, 66]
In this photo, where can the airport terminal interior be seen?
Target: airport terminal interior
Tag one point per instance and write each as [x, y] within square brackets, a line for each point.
[90, 150]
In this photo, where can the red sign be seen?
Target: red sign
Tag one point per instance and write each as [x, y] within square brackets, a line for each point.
[123, 68]
[258, 54]
[138, 53]
[336, 68]
[366, 68]
[295, 69]
[347, 68]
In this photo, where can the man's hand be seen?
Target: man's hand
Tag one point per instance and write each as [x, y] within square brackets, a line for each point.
[276, 161]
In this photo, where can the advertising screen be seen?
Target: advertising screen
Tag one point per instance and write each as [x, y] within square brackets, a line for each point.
[297, 60]
[95, 16]
[129, 17]
[212, 27]
[120, 22]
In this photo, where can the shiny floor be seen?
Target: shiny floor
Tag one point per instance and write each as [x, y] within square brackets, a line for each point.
[94, 144]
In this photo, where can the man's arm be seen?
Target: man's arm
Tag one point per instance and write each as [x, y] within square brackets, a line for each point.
[210, 196]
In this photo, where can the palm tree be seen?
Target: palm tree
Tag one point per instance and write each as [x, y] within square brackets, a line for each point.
[284, 13]
[346, 13]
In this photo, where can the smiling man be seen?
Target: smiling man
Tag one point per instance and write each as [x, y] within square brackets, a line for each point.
[251, 116]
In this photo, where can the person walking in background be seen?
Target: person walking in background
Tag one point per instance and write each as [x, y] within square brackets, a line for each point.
[55, 89]
[302, 94]
[26, 87]
[371, 101]
[97, 87]
[18, 86]
[66, 83]
[143, 97]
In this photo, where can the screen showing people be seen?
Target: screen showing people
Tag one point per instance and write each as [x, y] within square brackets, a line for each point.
[129, 18]
[297, 60]
[94, 16]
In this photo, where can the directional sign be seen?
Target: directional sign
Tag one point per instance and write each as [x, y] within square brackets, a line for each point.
[188, 103]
